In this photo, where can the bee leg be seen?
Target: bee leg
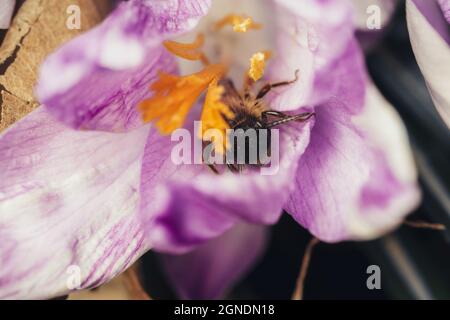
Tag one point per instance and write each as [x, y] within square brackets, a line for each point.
[299, 117]
[247, 85]
[213, 168]
[210, 165]
[282, 116]
[266, 89]
[272, 113]
[233, 168]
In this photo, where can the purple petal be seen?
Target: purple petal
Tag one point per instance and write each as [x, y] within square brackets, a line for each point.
[96, 80]
[435, 12]
[355, 183]
[445, 6]
[185, 205]
[6, 11]
[67, 198]
[175, 218]
[346, 78]
[211, 269]
[430, 39]
[311, 36]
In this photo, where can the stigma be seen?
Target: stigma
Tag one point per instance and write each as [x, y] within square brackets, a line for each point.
[174, 96]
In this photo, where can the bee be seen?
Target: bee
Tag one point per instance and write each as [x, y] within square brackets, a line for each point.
[251, 112]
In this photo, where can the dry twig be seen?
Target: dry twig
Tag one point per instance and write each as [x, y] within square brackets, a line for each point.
[298, 293]
[424, 225]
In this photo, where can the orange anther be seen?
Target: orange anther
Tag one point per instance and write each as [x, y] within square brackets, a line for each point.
[258, 64]
[214, 116]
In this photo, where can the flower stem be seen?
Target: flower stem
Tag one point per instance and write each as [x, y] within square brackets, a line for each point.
[298, 293]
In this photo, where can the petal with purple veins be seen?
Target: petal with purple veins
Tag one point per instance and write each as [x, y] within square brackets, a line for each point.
[346, 78]
[175, 218]
[96, 80]
[445, 6]
[68, 203]
[434, 12]
[356, 179]
[311, 36]
[213, 268]
[430, 38]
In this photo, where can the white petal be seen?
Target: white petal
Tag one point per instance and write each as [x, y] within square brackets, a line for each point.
[6, 11]
[433, 56]
[384, 128]
[68, 206]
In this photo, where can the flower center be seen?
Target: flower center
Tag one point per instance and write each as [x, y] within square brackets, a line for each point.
[174, 96]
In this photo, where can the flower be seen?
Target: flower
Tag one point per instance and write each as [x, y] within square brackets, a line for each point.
[6, 11]
[428, 25]
[85, 182]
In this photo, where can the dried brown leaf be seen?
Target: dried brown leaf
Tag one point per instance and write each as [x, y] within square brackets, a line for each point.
[116, 289]
[38, 29]
[13, 109]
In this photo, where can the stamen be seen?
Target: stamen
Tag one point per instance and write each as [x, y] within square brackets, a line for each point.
[258, 64]
[174, 96]
[240, 23]
[214, 116]
[189, 51]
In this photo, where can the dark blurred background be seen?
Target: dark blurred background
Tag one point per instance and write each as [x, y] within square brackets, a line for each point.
[415, 263]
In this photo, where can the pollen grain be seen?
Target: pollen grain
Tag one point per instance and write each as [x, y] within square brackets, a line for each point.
[258, 64]
[240, 23]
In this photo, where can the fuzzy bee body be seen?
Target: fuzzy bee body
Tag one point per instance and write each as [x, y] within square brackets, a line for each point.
[248, 115]
[251, 113]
